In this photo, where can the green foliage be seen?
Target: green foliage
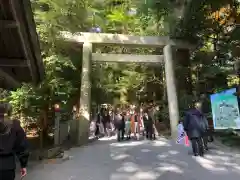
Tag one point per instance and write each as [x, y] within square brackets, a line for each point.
[53, 89]
[3, 95]
[210, 63]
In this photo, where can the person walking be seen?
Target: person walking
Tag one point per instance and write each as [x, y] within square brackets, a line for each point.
[135, 126]
[195, 125]
[98, 124]
[12, 143]
[106, 123]
[127, 118]
[148, 124]
[120, 125]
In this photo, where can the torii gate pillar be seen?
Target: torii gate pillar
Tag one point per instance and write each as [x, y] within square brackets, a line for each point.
[171, 89]
[85, 95]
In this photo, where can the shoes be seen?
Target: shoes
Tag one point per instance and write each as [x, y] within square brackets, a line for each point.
[198, 154]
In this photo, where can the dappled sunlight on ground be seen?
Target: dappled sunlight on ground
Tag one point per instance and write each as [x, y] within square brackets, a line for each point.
[107, 138]
[220, 161]
[124, 144]
[160, 143]
[169, 167]
[210, 165]
[140, 160]
[145, 150]
[119, 157]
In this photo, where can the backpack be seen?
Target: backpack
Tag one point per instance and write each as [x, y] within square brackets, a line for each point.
[118, 119]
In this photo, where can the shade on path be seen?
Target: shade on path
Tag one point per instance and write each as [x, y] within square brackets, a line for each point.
[140, 160]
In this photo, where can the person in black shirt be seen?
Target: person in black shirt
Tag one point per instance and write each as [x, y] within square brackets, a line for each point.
[148, 124]
[120, 125]
[106, 123]
[98, 122]
[195, 125]
[12, 143]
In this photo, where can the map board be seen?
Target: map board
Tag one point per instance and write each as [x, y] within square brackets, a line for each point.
[225, 110]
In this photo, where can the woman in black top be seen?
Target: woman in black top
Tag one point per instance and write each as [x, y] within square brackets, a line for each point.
[98, 122]
[106, 123]
[12, 143]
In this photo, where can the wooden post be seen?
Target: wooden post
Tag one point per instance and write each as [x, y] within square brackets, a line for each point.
[171, 89]
[57, 129]
[85, 95]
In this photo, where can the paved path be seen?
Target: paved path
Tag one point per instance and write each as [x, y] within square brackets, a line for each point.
[140, 160]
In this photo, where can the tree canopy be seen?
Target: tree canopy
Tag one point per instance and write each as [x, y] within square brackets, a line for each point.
[211, 25]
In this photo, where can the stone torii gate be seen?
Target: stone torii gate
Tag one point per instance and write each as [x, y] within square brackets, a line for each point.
[88, 39]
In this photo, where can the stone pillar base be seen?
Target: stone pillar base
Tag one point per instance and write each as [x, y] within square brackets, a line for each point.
[73, 131]
[83, 131]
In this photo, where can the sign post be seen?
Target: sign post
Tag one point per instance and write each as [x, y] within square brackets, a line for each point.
[225, 110]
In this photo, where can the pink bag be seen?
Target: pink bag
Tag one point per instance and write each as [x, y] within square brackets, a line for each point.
[186, 140]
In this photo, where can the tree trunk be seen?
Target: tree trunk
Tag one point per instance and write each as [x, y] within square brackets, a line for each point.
[43, 128]
[183, 71]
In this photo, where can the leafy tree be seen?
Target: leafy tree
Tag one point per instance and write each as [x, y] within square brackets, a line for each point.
[38, 102]
[212, 25]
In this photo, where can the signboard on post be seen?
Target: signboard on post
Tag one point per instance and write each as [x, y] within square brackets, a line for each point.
[225, 110]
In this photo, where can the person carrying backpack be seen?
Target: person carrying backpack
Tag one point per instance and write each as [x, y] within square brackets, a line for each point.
[195, 125]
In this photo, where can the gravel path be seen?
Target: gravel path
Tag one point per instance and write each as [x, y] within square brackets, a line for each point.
[162, 159]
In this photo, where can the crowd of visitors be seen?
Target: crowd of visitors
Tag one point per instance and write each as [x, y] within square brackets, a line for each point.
[132, 122]
[128, 123]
